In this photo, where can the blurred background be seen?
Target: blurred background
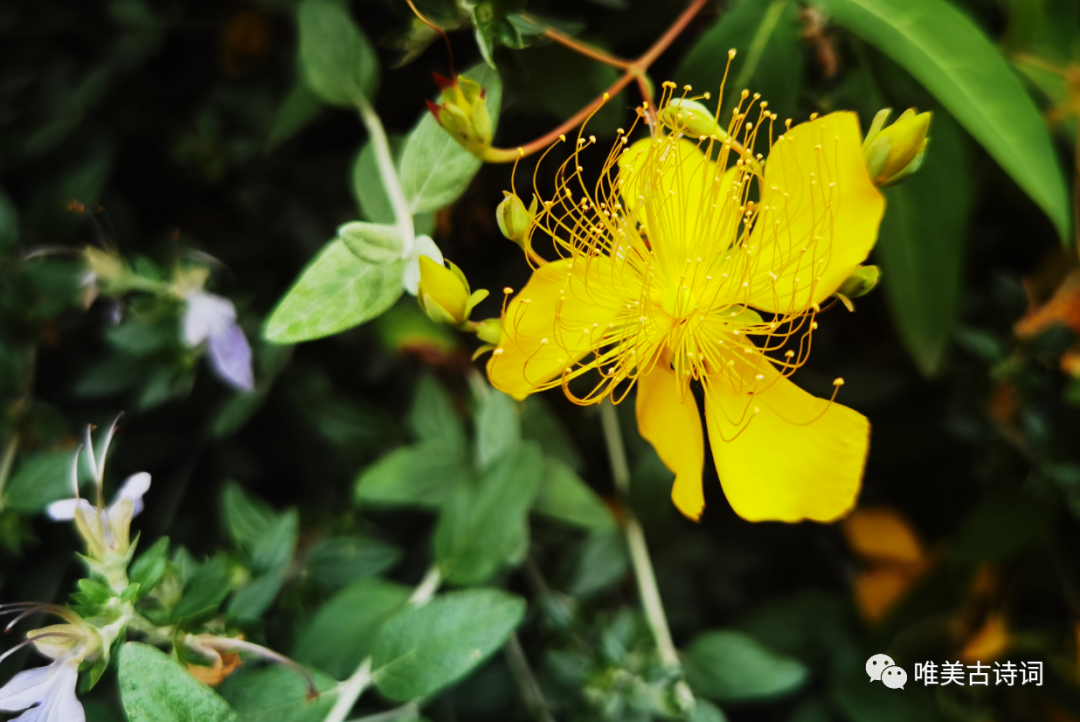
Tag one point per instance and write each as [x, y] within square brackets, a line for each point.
[181, 132]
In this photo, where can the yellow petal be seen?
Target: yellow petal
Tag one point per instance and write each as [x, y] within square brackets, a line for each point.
[818, 217]
[882, 535]
[781, 453]
[672, 425]
[684, 211]
[550, 325]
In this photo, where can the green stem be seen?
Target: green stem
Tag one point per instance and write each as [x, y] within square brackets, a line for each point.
[350, 690]
[639, 556]
[389, 175]
[526, 680]
[6, 462]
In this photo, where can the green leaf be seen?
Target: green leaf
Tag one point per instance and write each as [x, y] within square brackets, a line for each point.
[247, 518]
[433, 417]
[251, 600]
[335, 292]
[338, 61]
[9, 223]
[484, 525]
[769, 59]
[40, 479]
[1001, 524]
[274, 549]
[278, 694]
[728, 666]
[953, 58]
[156, 688]
[423, 649]
[564, 496]
[435, 169]
[337, 561]
[539, 423]
[423, 475]
[371, 197]
[149, 568]
[372, 242]
[204, 591]
[601, 561]
[922, 243]
[498, 427]
[705, 711]
[299, 108]
[341, 634]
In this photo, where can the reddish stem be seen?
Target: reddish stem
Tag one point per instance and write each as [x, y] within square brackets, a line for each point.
[635, 71]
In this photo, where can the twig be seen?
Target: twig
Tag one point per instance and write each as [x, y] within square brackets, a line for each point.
[526, 680]
[635, 71]
[639, 556]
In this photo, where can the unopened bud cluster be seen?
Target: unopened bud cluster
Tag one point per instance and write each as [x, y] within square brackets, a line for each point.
[894, 153]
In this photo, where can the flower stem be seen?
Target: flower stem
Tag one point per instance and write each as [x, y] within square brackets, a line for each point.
[639, 555]
[635, 72]
[350, 690]
[589, 51]
[388, 173]
[526, 680]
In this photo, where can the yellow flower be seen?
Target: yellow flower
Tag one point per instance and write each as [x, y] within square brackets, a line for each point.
[663, 262]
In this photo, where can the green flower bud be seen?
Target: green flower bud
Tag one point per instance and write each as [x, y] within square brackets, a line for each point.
[896, 152]
[692, 118]
[515, 221]
[464, 113]
[861, 281]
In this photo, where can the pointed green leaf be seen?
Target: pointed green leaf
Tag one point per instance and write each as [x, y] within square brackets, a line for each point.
[341, 633]
[423, 475]
[278, 694]
[484, 525]
[423, 649]
[921, 245]
[953, 58]
[338, 61]
[156, 688]
[334, 293]
[769, 59]
[498, 427]
[565, 496]
[433, 417]
[728, 666]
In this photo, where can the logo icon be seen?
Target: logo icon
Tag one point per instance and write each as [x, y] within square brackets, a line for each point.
[882, 668]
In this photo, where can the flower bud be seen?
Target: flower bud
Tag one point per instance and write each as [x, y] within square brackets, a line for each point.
[896, 152]
[692, 118]
[444, 293]
[515, 221]
[464, 113]
[861, 281]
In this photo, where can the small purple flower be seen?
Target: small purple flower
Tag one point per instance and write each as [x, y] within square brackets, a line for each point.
[212, 319]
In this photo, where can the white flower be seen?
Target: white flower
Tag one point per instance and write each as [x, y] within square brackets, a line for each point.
[423, 246]
[51, 688]
[108, 529]
[212, 319]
